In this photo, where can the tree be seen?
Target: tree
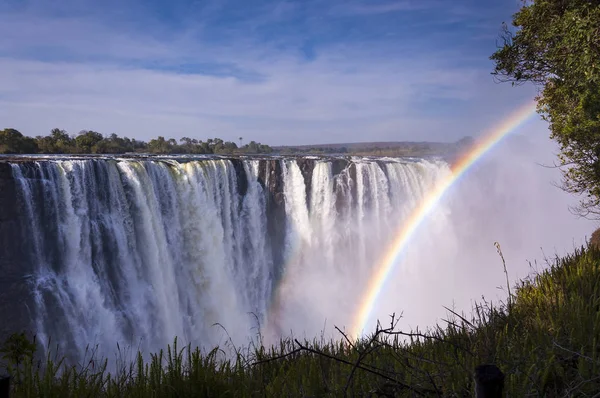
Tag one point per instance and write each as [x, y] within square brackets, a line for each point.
[159, 145]
[13, 142]
[86, 141]
[556, 45]
[253, 147]
[186, 141]
[226, 147]
[62, 141]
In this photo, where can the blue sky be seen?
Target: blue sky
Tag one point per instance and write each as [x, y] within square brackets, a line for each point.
[280, 72]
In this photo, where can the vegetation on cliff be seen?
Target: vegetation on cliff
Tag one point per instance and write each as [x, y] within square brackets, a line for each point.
[60, 142]
[556, 45]
[544, 339]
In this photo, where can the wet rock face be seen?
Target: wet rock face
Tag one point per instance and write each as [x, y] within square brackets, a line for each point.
[307, 167]
[270, 176]
[382, 166]
[240, 174]
[7, 193]
[13, 267]
[338, 165]
[352, 176]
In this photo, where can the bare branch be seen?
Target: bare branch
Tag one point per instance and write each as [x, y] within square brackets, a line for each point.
[420, 392]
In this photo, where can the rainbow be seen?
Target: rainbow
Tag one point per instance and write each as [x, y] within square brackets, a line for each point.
[390, 259]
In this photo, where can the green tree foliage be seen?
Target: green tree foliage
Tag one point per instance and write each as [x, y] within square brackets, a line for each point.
[62, 141]
[256, 147]
[12, 142]
[88, 141]
[160, 145]
[17, 350]
[556, 45]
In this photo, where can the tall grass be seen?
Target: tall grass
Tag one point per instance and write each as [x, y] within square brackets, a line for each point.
[545, 340]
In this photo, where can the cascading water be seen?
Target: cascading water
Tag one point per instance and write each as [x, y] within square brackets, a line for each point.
[137, 252]
[340, 235]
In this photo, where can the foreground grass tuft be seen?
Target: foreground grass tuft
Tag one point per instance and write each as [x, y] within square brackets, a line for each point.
[545, 341]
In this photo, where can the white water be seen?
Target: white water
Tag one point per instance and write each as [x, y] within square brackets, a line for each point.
[138, 252]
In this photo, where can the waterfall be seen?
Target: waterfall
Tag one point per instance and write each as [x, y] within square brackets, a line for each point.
[137, 252]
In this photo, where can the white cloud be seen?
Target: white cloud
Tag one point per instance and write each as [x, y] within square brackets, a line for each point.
[104, 82]
[376, 8]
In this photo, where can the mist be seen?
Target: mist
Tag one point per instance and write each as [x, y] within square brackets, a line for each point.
[509, 196]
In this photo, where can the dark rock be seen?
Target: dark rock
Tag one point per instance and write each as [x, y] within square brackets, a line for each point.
[15, 291]
[338, 165]
[271, 178]
[383, 167]
[240, 174]
[307, 167]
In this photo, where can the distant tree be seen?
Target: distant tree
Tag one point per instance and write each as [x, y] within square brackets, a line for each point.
[253, 147]
[159, 145]
[556, 45]
[227, 147]
[45, 144]
[262, 148]
[13, 142]
[186, 141]
[86, 141]
[204, 147]
[216, 145]
[114, 144]
[187, 145]
[256, 147]
[62, 142]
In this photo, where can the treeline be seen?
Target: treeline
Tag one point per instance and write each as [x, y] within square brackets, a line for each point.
[314, 150]
[415, 149]
[377, 149]
[91, 142]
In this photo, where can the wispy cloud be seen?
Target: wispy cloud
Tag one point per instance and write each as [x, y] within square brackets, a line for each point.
[227, 74]
[377, 8]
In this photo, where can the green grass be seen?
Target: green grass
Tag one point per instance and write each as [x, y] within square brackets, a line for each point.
[545, 340]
